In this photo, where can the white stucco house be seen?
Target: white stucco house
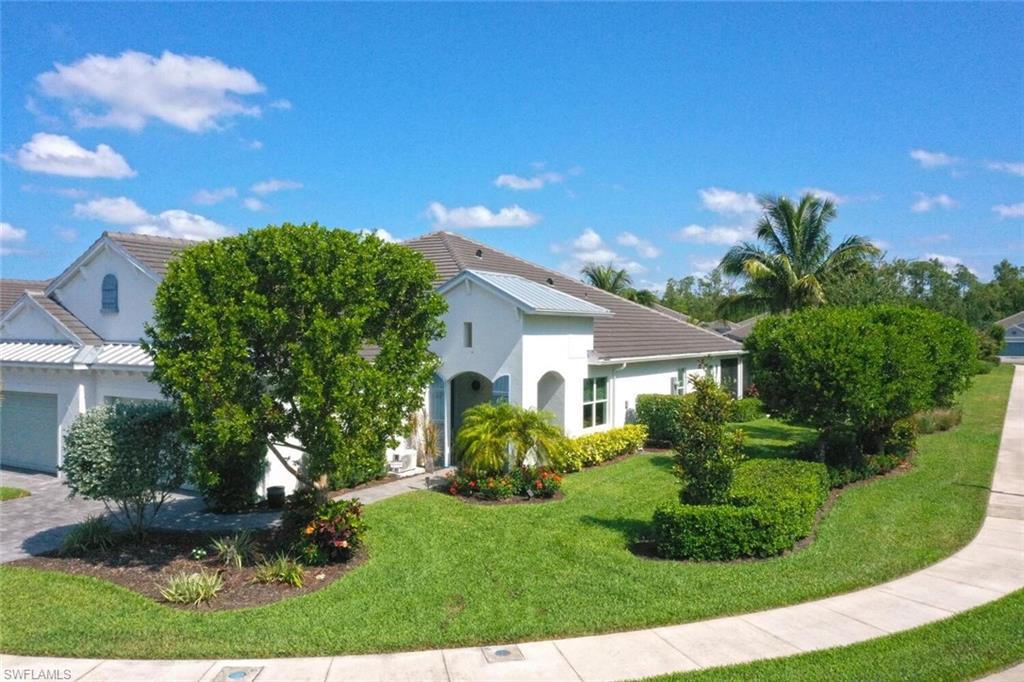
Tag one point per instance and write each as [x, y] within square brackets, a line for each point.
[516, 331]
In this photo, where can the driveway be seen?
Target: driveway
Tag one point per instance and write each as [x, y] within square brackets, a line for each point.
[38, 523]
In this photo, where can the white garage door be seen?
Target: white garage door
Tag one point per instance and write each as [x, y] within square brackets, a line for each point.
[28, 430]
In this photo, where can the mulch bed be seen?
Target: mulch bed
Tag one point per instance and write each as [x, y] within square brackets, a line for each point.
[141, 566]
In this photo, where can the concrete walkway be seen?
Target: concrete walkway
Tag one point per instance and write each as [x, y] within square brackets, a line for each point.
[990, 567]
[382, 491]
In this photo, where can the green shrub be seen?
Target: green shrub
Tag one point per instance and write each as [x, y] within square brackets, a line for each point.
[333, 534]
[280, 568]
[129, 455]
[595, 448]
[660, 414]
[229, 474]
[862, 368]
[771, 504]
[983, 366]
[235, 550]
[526, 481]
[192, 588]
[869, 467]
[900, 439]
[90, 536]
[746, 410]
[990, 344]
[706, 453]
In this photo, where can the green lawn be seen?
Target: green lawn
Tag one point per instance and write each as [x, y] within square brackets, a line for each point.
[442, 572]
[964, 647]
[7, 493]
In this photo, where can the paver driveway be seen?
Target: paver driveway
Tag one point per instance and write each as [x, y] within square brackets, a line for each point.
[37, 523]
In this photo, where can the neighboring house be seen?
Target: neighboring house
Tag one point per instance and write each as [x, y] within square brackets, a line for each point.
[517, 332]
[737, 331]
[1013, 344]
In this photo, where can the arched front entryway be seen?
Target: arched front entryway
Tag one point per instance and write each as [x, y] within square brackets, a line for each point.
[467, 390]
[551, 396]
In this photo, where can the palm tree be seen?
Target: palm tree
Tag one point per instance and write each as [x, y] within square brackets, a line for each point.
[617, 282]
[496, 438]
[606, 277]
[789, 274]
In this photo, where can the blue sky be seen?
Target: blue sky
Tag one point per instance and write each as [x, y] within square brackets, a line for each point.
[633, 134]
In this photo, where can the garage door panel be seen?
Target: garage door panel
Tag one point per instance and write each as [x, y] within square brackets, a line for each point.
[29, 430]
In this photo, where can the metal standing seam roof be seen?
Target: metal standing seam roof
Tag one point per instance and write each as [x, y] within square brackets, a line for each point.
[44, 353]
[123, 355]
[632, 331]
[537, 298]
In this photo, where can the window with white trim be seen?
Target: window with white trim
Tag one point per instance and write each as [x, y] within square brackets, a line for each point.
[108, 294]
[500, 390]
[467, 334]
[595, 401]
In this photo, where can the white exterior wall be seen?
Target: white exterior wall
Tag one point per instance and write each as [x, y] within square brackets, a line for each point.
[562, 345]
[30, 323]
[82, 295]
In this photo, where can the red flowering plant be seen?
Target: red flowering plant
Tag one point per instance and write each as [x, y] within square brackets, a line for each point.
[486, 487]
[333, 534]
[537, 482]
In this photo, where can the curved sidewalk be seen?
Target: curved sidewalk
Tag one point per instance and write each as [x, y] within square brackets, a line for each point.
[991, 566]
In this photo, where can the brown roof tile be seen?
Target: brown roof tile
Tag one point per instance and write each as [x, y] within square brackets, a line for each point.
[12, 289]
[632, 331]
[153, 252]
[75, 325]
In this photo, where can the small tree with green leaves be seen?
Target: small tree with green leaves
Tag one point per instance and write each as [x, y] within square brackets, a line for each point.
[706, 452]
[130, 456]
[496, 438]
[297, 338]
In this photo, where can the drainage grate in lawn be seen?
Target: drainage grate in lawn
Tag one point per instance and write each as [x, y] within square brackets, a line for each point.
[230, 674]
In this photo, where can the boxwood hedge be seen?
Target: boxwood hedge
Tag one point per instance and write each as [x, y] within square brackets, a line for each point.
[595, 448]
[773, 503]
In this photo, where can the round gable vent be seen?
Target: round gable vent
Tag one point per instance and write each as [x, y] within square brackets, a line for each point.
[479, 253]
[551, 282]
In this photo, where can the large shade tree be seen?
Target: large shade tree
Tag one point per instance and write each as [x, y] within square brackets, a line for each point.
[790, 270]
[297, 337]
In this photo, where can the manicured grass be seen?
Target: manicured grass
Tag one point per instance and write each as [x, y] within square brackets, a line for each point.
[442, 572]
[7, 493]
[964, 647]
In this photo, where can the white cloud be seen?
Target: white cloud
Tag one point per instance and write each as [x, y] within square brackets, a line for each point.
[727, 201]
[66, 192]
[60, 155]
[926, 203]
[643, 247]
[10, 233]
[712, 235]
[1012, 167]
[380, 233]
[836, 199]
[208, 197]
[253, 204]
[281, 104]
[193, 93]
[114, 210]
[929, 159]
[274, 185]
[517, 182]
[949, 263]
[67, 234]
[703, 266]
[1009, 210]
[881, 244]
[590, 247]
[255, 145]
[171, 223]
[467, 217]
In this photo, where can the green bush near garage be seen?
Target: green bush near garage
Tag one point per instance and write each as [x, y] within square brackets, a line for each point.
[772, 504]
[660, 414]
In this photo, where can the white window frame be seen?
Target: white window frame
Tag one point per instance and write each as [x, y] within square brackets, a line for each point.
[594, 402]
[467, 334]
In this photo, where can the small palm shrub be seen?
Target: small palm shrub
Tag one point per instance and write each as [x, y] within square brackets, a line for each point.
[280, 568]
[192, 588]
[90, 536]
[235, 550]
[333, 534]
[500, 438]
[706, 453]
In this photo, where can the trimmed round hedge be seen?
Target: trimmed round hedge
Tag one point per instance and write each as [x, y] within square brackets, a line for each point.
[773, 503]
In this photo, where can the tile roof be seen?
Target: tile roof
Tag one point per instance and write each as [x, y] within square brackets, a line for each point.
[12, 289]
[64, 316]
[1012, 320]
[540, 299]
[153, 252]
[632, 331]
